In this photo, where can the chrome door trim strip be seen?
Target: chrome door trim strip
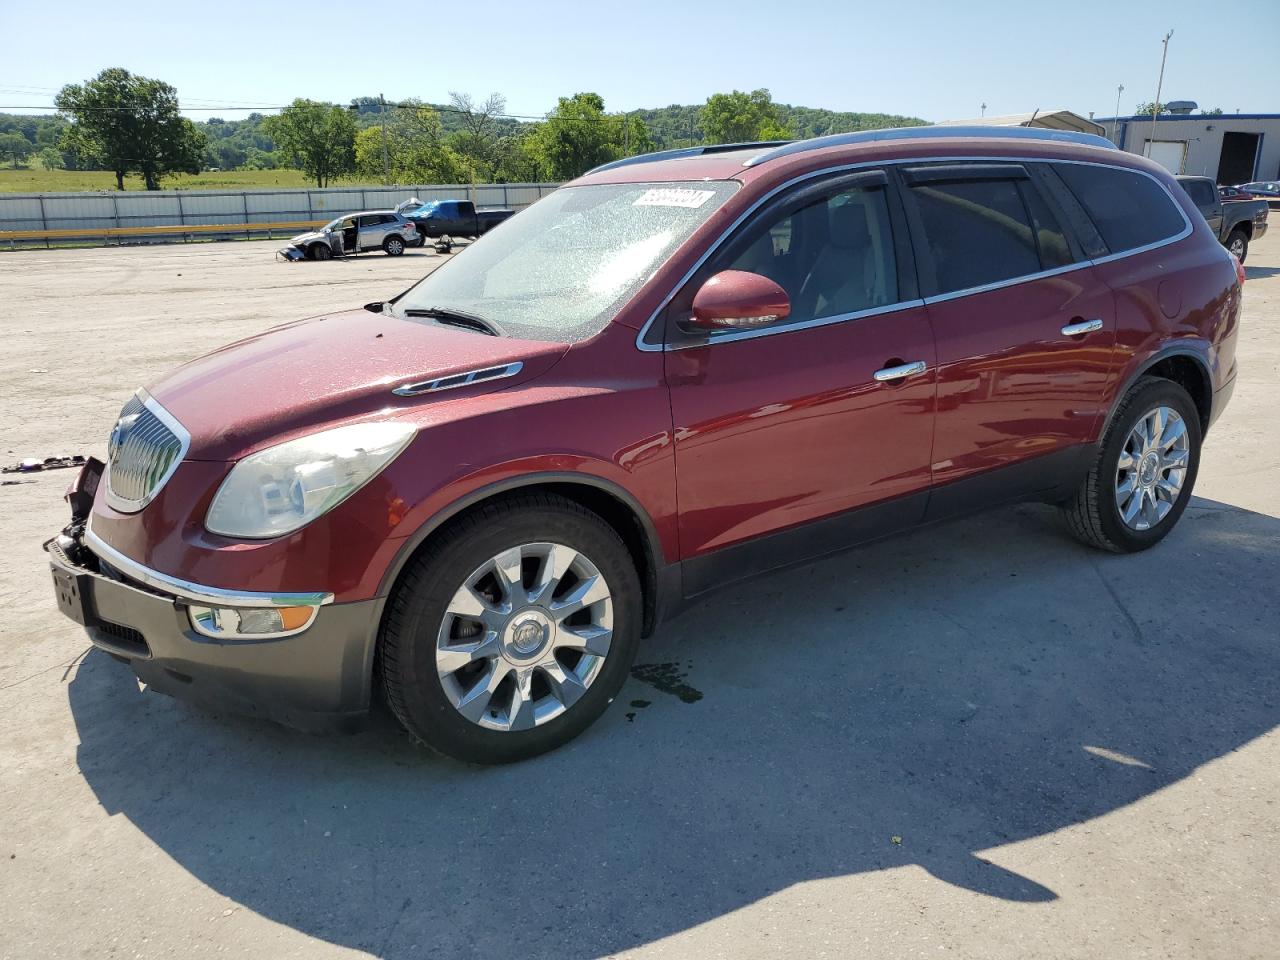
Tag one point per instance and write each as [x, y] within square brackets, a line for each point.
[937, 298]
[194, 592]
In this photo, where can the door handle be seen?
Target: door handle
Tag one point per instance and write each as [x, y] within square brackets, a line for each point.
[1084, 326]
[889, 374]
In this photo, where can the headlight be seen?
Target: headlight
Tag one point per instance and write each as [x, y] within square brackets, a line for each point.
[278, 490]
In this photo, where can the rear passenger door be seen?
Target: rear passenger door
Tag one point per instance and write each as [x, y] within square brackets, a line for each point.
[1025, 330]
[373, 228]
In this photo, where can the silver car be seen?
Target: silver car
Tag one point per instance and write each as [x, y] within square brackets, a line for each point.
[355, 233]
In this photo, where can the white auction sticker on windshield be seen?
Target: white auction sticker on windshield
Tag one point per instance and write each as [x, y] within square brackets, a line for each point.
[673, 197]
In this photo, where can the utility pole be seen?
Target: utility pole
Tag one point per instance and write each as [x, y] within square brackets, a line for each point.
[984, 109]
[1155, 107]
[386, 162]
[1115, 119]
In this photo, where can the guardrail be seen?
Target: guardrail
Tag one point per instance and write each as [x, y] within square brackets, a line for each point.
[160, 216]
[184, 231]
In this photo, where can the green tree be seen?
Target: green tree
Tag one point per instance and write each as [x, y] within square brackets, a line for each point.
[521, 157]
[579, 135]
[51, 158]
[15, 147]
[1214, 112]
[317, 138]
[1147, 107]
[479, 137]
[417, 149]
[739, 117]
[130, 123]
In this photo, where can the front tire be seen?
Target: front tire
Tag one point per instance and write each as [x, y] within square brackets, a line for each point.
[321, 251]
[1142, 479]
[512, 631]
[1238, 244]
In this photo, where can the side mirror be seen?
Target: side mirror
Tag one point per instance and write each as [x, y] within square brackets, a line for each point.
[738, 300]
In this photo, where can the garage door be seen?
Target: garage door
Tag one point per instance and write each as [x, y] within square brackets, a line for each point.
[1168, 153]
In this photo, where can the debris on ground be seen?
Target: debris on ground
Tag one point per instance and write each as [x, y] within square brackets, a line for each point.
[35, 465]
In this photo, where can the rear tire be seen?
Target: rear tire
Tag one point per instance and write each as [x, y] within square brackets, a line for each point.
[572, 665]
[394, 246]
[1137, 489]
[1238, 244]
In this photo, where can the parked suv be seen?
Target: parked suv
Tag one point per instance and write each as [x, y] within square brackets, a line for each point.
[675, 372]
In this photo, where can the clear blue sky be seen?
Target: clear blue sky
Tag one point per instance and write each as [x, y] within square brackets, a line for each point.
[937, 59]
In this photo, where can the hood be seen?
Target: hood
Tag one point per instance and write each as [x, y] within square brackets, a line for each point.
[302, 238]
[305, 375]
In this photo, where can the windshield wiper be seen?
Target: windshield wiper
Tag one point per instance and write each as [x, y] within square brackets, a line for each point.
[456, 318]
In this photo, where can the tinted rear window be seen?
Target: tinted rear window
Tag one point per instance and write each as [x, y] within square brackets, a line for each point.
[1201, 193]
[1129, 209]
[978, 232]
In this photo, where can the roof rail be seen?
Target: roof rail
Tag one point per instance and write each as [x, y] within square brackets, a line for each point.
[930, 133]
[681, 152]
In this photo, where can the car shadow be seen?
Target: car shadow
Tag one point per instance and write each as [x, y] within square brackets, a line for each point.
[1258, 273]
[916, 702]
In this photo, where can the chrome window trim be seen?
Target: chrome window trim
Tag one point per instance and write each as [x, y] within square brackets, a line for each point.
[465, 379]
[937, 298]
[194, 592]
[125, 505]
[1012, 281]
[801, 325]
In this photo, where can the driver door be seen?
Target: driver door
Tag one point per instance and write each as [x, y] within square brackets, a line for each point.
[800, 438]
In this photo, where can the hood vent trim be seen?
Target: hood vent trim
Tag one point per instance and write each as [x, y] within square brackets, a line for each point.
[455, 380]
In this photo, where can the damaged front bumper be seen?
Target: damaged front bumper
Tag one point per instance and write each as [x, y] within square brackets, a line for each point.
[316, 677]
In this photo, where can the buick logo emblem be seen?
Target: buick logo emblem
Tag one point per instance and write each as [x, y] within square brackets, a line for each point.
[527, 636]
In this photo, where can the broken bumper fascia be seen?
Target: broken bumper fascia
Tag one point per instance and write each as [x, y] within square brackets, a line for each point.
[317, 679]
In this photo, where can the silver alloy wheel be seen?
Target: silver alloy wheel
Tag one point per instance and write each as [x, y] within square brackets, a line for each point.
[395, 246]
[524, 636]
[1152, 468]
[1237, 247]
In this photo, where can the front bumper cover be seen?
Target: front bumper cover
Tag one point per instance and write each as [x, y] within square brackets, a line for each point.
[316, 680]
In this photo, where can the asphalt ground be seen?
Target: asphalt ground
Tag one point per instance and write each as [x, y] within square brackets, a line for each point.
[978, 740]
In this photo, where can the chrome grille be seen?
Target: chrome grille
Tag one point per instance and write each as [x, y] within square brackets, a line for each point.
[146, 445]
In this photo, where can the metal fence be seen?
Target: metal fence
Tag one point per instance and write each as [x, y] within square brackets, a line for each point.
[113, 215]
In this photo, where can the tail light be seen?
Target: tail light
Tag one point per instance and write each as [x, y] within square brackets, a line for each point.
[1240, 274]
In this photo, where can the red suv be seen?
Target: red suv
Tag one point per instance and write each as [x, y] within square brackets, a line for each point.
[678, 371]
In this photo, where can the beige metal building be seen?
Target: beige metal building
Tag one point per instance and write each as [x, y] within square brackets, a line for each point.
[1231, 147]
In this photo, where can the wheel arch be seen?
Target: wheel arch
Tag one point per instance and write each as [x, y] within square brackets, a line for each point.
[1182, 365]
[612, 503]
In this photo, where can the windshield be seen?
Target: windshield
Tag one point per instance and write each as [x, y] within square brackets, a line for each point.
[562, 269]
[336, 224]
[425, 209]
